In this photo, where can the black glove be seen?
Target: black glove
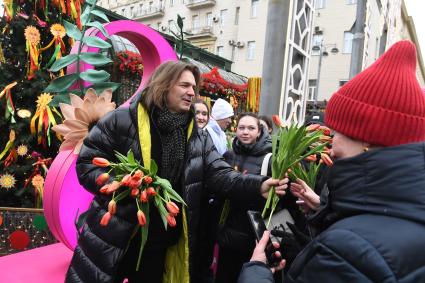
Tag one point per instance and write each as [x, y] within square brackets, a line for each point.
[301, 238]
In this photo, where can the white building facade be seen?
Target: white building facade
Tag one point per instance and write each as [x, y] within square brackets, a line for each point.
[233, 29]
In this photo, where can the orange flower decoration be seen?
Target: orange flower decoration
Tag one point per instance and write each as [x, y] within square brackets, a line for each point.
[58, 30]
[32, 35]
[81, 115]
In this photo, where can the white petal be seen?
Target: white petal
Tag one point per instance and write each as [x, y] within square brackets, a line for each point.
[90, 95]
[76, 101]
[67, 111]
[81, 115]
[61, 129]
[76, 124]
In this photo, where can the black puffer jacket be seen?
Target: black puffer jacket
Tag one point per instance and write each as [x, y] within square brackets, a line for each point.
[375, 210]
[100, 249]
[236, 232]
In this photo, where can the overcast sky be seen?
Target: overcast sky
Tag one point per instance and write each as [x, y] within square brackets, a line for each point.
[415, 8]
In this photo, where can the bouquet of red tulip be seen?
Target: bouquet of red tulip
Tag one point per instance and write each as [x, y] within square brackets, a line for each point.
[290, 145]
[309, 170]
[143, 185]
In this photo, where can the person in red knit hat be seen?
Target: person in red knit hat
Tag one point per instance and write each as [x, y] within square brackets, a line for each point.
[372, 212]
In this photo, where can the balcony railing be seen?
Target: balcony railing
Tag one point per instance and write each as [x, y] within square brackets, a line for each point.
[200, 32]
[149, 13]
[196, 4]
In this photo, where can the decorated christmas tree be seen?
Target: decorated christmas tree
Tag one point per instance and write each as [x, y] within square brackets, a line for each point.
[32, 38]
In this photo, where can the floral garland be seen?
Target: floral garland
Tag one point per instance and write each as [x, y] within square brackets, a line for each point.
[130, 61]
[213, 83]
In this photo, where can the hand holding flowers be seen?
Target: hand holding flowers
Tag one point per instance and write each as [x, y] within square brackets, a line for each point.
[290, 146]
[132, 180]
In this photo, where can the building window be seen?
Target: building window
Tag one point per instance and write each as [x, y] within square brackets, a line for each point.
[123, 12]
[209, 20]
[250, 50]
[220, 50]
[342, 82]
[131, 12]
[150, 6]
[254, 8]
[140, 9]
[158, 24]
[171, 3]
[223, 16]
[317, 40]
[320, 4]
[195, 23]
[312, 89]
[237, 15]
[348, 42]
[351, 2]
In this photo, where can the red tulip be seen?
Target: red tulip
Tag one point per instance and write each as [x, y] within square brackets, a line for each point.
[151, 191]
[172, 208]
[100, 162]
[134, 192]
[138, 175]
[147, 180]
[104, 189]
[326, 131]
[102, 179]
[311, 158]
[134, 183]
[113, 187]
[312, 127]
[171, 220]
[126, 180]
[105, 219]
[141, 217]
[144, 196]
[277, 121]
[325, 139]
[326, 159]
[112, 207]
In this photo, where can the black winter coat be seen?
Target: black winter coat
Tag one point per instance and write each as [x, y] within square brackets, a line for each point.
[236, 232]
[375, 209]
[100, 249]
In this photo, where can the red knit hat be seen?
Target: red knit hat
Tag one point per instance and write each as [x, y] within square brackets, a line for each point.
[383, 105]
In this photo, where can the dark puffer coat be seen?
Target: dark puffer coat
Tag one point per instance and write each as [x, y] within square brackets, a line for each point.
[375, 209]
[100, 249]
[236, 232]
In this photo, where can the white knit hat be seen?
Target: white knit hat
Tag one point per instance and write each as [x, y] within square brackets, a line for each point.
[221, 110]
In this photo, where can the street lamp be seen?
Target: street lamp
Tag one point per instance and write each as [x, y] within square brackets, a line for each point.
[322, 52]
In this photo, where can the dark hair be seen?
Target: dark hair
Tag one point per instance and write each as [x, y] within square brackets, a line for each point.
[267, 120]
[249, 114]
[200, 101]
[163, 79]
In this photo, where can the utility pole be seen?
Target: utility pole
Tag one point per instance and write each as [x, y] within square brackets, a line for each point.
[274, 53]
[358, 39]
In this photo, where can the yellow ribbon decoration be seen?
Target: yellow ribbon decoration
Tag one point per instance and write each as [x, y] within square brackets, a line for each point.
[10, 108]
[7, 88]
[45, 117]
[32, 37]
[9, 144]
[2, 59]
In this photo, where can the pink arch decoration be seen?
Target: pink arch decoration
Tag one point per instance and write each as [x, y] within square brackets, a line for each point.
[63, 194]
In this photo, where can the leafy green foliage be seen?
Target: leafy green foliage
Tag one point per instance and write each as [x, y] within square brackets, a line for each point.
[97, 77]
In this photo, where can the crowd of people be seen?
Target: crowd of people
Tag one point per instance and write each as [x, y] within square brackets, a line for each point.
[361, 223]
